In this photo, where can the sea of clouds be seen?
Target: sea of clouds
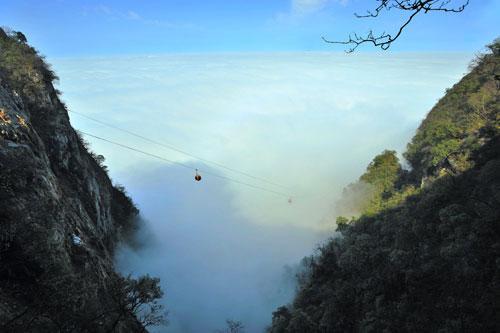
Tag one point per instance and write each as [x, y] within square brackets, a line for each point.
[309, 121]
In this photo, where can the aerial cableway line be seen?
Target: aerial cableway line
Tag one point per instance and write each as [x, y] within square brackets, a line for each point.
[184, 165]
[172, 147]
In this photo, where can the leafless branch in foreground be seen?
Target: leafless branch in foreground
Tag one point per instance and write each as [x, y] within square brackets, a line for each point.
[414, 7]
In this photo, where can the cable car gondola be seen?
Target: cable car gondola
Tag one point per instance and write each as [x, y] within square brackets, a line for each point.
[197, 176]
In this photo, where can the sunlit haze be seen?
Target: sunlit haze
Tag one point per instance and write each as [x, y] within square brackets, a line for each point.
[249, 96]
[293, 118]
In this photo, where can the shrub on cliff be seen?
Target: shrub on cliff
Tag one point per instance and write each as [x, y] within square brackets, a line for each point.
[20, 64]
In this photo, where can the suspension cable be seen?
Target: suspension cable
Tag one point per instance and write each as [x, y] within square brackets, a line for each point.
[184, 165]
[171, 147]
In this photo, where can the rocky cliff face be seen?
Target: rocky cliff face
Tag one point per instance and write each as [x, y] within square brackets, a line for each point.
[60, 215]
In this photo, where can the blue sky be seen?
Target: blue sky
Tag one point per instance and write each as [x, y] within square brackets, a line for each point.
[83, 28]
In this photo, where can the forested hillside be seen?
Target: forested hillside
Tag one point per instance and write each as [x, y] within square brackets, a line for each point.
[424, 253]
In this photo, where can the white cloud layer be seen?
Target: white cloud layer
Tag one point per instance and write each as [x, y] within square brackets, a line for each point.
[312, 121]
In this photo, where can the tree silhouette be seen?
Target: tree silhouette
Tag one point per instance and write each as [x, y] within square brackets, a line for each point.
[412, 7]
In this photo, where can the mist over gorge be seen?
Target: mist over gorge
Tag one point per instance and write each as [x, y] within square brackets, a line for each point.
[300, 113]
[218, 247]
[289, 166]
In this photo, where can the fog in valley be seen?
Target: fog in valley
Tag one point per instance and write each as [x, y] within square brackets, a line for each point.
[308, 121]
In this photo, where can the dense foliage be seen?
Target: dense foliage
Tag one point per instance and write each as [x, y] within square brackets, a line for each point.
[453, 128]
[424, 256]
[383, 185]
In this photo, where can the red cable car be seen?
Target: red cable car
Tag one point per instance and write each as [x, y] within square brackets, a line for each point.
[197, 176]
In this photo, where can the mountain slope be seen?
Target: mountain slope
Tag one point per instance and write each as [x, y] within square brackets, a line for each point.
[456, 126]
[425, 259]
[60, 215]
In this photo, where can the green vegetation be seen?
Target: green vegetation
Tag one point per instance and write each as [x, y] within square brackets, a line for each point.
[424, 255]
[382, 186]
[21, 66]
[381, 174]
[453, 128]
[457, 126]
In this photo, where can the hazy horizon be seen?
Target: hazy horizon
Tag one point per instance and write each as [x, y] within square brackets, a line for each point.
[111, 27]
[311, 121]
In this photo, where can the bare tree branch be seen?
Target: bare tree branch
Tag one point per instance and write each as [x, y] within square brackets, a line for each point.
[384, 40]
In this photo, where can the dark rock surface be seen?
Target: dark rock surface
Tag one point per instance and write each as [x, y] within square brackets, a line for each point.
[60, 215]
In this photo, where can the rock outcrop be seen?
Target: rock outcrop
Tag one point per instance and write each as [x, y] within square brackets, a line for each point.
[60, 215]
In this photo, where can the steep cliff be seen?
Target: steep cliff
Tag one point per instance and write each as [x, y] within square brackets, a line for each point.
[424, 256]
[60, 215]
